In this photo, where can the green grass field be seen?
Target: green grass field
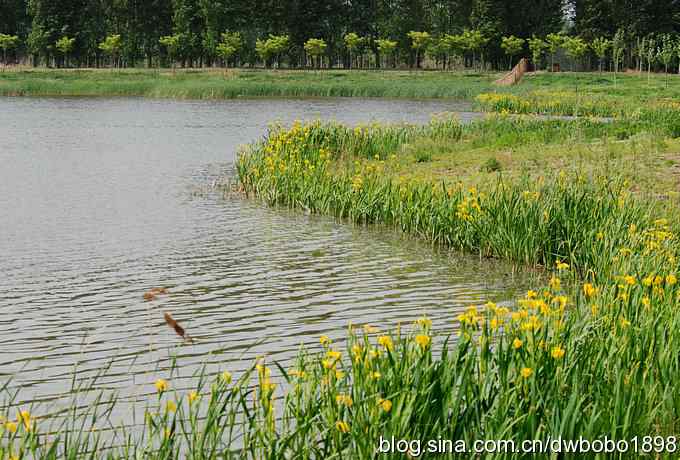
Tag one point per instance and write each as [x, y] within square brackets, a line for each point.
[203, 84]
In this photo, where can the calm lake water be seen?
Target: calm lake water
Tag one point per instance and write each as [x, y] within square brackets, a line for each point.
[102, 199]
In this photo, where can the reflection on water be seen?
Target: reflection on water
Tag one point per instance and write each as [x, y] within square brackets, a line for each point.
[97, 207]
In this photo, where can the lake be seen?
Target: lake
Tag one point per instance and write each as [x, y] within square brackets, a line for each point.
[103, 199]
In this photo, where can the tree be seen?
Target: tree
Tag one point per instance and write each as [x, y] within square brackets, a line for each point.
[230, 45]
[651, 56]
[666, 52]
[38, 43]
[456, 45]
[475, 41]
[618, 50]
[387, 47]
[65, 46]
[600, 46]
[537, 47]
[512, 46]
[188, 25]
[272, 47]
[112, 46]
[576, 48]
[172, 45]
[7, 42]
[419, 42]
[316, 47]
[439, 49]
[555, 41]
[353, 42]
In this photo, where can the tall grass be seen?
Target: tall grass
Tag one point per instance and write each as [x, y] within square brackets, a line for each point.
[593, 353]
[242, 83]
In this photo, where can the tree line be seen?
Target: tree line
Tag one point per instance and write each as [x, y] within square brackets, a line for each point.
[338, 33]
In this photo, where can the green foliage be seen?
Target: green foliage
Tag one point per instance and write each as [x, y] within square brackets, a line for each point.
[491, 165]
[65, 45]
[666, 51]
[575, 47]
[512, 46]
[419, 40]
[618, 49]
[111, 45]
[600, 46]
[316, 48]
[8, 42]
[386, 47]
[537, 46]
[38, 41]
[353, 42]
[275, 45]
[230, 45]
[555, 41]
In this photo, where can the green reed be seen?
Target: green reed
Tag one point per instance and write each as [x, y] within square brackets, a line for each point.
[592, 353]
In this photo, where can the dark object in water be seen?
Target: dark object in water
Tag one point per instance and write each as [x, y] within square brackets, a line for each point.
[151, 295]
[176, 327]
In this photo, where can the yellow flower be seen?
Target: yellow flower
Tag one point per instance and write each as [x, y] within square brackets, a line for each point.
[647, 281]
[328, 364]
[334, 355]
[342, 426]
[368, 329]
[226, 377]
[161, 385]
[385, 404]
[599, 236]
[25, 417]
[422, 340]
[376, 375]
[562, 266]
[555, 283]
[171, 406]
[671, 280]
[629, 280]
[517, 344]
[557, 352]
[561, 301]
[324, 340]
[344, 400]
[646, 302]
[297, 373]
[11, 427]
[531, 294]
[386, 342]
[424, 322]
[339, 374]
[526, 372]
[589, 290]
[193, 396]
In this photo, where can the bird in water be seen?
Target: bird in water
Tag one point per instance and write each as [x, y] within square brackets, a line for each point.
[179, 330]
[153, 293]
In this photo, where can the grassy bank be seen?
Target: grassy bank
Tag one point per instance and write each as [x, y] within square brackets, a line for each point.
[229, 84]
[593, 353]
[561, 93]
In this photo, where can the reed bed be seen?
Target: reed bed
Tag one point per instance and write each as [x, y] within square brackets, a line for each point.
[229, 84]
[593, 353]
